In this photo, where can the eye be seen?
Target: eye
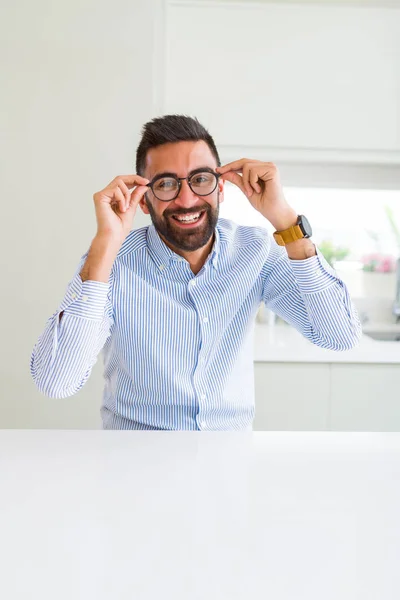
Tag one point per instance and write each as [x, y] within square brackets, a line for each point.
[165, 184]
[202, 178]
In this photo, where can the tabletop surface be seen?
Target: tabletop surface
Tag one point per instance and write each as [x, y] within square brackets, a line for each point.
[199, 515]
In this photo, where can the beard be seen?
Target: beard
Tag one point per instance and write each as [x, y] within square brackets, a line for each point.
[187, 240]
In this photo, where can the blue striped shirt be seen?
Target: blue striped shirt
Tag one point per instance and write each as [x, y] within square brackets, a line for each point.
[178, 347]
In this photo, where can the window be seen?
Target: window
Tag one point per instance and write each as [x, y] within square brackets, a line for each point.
[358, 231]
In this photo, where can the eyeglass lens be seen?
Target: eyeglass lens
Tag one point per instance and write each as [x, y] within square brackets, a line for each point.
[201, 184]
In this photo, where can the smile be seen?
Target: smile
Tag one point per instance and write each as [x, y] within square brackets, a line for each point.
[189, 219]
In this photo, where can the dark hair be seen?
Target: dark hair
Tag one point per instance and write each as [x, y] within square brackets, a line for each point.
[171, 128]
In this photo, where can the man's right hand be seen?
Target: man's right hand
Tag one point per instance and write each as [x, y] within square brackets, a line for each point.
[116, 206]
[115, 210]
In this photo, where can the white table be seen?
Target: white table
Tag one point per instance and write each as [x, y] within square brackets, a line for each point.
[210, 516]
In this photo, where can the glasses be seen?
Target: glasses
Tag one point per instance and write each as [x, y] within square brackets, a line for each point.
[167, 187]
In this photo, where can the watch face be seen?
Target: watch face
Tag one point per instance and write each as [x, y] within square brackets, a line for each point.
[305, 226]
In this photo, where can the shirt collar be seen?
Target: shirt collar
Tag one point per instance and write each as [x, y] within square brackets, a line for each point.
[163, 255]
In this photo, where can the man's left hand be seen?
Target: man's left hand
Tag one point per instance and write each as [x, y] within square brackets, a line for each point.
[260, 182]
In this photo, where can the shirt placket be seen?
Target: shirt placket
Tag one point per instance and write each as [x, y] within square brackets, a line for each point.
[196, 291]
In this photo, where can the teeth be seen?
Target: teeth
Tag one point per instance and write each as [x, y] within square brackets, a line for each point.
[188, 217]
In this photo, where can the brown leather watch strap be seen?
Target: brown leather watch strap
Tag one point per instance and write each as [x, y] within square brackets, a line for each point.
[292, 234]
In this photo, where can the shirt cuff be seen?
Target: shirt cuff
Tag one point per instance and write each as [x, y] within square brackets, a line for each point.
[85, 299]
[314, 274]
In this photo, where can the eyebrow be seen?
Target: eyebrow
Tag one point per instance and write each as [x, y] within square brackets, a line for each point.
[192, 172]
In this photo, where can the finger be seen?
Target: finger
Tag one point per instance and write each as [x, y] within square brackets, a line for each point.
[126, 192]
[246, 182]
[124, 187]
[132, 180]
[120, 198]
[268, 172]
[234, 166]
[253, 178]
[137, 195]
[235, 179]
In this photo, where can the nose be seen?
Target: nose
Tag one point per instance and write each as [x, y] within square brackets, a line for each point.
[186, 198]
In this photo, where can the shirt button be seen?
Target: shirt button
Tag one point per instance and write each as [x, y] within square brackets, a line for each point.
[73, 296]
[205, 320]
[192, 282]
[203, 397]
[85, 298]
[203, 424]
[162, 267]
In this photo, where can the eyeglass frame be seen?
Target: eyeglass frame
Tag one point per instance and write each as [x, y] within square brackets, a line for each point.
[180, 179]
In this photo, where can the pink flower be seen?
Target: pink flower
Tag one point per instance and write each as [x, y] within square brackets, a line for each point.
[379, 263]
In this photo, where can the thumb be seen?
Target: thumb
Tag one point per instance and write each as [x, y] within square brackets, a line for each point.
[136, 196]
[234, 178]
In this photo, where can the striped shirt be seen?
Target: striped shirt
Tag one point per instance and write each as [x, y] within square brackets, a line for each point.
[178, 347]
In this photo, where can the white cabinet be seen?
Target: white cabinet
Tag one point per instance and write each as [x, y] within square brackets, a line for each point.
[334, 397]
[284, 81]
[291, 396]
[365, 397]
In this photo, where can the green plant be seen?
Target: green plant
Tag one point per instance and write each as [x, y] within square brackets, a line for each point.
[333, 253]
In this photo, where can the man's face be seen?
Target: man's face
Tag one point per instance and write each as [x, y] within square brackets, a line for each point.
[181, 159]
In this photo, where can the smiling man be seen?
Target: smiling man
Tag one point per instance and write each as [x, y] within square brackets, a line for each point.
[185, 225]
[173, 305]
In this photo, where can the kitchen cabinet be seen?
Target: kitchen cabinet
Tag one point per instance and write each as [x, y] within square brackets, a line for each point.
[323, 396]
[365, 397]
[291, 397]
[287, 81]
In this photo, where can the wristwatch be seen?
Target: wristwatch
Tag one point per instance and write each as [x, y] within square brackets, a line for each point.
[302, 229]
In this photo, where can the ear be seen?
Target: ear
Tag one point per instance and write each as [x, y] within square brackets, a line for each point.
[143, 205]
[221, 183]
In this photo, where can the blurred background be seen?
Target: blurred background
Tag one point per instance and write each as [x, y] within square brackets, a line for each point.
[312, 86]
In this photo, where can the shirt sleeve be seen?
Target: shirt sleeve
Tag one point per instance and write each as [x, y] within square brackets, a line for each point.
[309, 295]
[67, 349]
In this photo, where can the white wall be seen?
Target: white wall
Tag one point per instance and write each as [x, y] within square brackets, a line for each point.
[76, 86]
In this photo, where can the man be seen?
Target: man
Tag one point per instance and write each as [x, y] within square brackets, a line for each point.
[173, 304]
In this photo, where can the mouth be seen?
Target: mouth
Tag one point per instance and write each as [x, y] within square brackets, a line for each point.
[189, 220]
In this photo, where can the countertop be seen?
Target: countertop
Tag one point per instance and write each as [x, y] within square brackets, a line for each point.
[199, 516]
[282, 343]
